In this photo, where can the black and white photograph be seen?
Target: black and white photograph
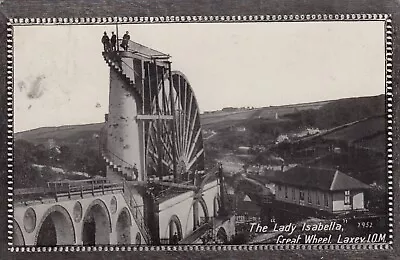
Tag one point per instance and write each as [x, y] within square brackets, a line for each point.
[246, 132]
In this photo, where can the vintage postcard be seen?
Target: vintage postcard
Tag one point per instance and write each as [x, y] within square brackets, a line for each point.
[260, 131]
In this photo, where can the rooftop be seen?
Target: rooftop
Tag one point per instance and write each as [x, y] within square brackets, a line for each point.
[266, 177]
[317, 178]
[249, 207]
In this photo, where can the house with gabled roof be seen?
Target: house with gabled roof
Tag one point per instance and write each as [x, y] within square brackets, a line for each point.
[319, 188]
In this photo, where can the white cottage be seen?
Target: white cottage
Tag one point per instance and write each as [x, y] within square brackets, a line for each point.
[324, 189]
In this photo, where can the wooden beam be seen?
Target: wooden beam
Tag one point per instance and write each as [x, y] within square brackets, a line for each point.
[176, 185]
[154, 117]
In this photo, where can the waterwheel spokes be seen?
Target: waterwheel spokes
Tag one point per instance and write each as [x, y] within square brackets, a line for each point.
[177, 143]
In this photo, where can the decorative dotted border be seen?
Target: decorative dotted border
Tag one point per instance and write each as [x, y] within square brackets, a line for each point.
[201, 19]
[10, 131]
[194, 19]
[389, 123]
[182, 248]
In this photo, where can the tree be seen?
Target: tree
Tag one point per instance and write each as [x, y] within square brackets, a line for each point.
[25, 175]
[239, 239]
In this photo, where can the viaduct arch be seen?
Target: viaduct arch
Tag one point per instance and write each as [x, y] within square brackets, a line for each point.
[18, 237]
[85, 221]
[175, 228]
[123, 227]
[96, 224]
[55, 228]
[222, 237]
[200, 212]
[216, 205]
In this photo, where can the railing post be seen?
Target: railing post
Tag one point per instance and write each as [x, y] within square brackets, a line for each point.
[55, 191]
[92, 188]
[102, 187]
[69, 191]
[81, 190]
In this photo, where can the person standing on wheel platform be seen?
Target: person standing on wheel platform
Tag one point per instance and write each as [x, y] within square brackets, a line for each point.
[113, 41]
[125, 40]
[106, 42]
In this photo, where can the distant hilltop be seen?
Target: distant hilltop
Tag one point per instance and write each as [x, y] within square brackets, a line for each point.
[307, 105]
[346, 110]
[60, 133]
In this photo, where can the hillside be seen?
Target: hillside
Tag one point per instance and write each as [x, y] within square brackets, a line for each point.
[262, 126]
[341, 112]
[61, 134]
[76, 147]
[324, 114]
[39, 152]
[215, 119]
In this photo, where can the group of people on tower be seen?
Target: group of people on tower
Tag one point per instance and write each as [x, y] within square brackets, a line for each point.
[111, 44]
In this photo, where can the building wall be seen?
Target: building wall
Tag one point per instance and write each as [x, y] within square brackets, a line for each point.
[182, 206]
[338, 202]
[211, 191]
[240, 219]
[293, 196]
[335, 199]
[358, 199]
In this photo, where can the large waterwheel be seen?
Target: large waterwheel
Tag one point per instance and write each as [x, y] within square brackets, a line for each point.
[174, 144]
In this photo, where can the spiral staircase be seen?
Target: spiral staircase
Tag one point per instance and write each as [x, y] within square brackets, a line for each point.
[117, 164]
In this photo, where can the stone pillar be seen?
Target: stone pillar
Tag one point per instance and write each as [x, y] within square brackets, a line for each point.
[113, 237]
[78, 232]
[123, 129]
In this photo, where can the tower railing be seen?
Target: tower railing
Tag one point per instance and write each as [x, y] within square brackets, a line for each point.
[82, 187]
[68, 188]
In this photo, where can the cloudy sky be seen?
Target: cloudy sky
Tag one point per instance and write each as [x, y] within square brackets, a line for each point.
[61, 77]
